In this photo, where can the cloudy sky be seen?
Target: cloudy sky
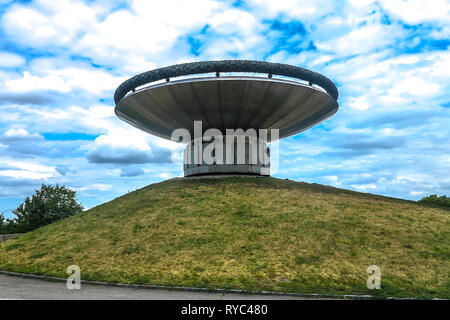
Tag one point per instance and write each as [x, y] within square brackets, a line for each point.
[60, 62]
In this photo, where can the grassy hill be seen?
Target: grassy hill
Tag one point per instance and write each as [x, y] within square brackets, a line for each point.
[248, 233]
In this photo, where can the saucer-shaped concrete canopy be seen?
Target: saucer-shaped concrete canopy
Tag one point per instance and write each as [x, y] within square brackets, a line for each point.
[226, 102]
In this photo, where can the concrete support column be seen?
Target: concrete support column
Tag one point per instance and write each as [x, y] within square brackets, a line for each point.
[228, 155]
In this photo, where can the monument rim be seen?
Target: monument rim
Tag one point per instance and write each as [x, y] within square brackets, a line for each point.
[245, 66]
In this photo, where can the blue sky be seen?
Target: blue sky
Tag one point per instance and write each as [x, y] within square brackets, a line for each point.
[60, 62]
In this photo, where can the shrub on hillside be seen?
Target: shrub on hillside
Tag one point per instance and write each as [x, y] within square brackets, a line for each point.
[8, 225]
[442, 201]
[2, 223]
[47, 205]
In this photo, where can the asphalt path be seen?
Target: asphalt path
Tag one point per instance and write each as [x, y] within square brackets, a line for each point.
[12, 287]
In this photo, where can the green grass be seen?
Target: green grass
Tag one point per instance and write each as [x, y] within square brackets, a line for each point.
[248, 233]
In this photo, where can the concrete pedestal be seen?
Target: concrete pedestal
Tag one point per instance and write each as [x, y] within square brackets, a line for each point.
[228, 155]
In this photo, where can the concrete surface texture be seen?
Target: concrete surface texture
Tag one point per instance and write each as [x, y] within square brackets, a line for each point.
[243, 156]
[12, 287]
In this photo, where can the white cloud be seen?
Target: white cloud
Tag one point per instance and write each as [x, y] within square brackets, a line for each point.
[163, 175]
[65, 80]
[364, 187]
[127, 38]
[377, 67]
[293, 8]
[10, 60]
[26, 174]
[101, 186]
[333, 180]
[388, 131]
[359, 103]
[144, 32]
[95, 186]
[414, 86]
[361, 3]
[49, 22]
[440, 66]
[360, 40]
[234, 20]
[415, 11]
[18, 133]
[124, 138]
[26, 169]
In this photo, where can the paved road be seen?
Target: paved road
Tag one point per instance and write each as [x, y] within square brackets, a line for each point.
[21, 288]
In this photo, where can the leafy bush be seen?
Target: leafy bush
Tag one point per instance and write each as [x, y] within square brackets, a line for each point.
[2, 222]
[47, 205]
[8, 225]
[442, 201]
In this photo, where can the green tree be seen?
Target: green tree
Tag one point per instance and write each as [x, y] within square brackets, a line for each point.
[434, 199]
[47, 205]
[2, 222]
